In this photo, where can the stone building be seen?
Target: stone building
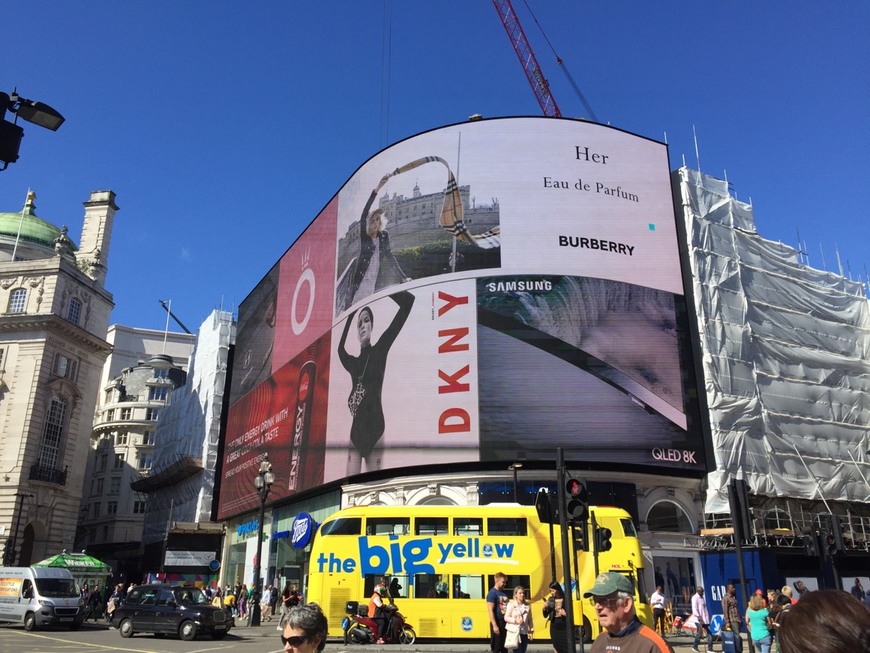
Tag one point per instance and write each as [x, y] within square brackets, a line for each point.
[52, 350]
[140, 376]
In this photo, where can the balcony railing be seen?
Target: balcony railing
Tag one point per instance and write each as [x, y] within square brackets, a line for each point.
[48, 474]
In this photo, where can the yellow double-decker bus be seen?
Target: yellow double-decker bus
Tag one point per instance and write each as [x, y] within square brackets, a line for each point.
[443, 559]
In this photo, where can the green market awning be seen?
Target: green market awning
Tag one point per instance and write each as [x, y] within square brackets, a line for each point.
[77, 563]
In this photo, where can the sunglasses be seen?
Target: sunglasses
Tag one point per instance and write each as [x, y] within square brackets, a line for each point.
[295, 641]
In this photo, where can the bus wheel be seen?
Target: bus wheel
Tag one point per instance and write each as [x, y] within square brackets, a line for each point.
[407, 636]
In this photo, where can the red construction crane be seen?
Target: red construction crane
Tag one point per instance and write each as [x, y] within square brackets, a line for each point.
[527, 57]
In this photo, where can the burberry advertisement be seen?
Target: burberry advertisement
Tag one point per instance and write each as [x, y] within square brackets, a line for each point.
[478, 292]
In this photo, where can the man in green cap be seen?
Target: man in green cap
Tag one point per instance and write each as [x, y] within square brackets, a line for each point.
[613, 598]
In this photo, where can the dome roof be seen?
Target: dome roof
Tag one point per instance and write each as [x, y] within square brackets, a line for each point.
[33, 229]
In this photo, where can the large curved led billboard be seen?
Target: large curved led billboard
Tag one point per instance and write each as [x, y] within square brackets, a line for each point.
[487, 291]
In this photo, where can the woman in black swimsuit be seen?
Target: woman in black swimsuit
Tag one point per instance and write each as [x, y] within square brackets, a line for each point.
[367, 381]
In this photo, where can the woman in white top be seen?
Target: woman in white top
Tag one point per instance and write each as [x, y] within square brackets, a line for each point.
[519, 613]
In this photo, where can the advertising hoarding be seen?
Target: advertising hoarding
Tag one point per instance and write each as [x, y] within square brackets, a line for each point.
[485, 291]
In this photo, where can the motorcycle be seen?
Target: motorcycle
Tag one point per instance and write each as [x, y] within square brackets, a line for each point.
[359, 628]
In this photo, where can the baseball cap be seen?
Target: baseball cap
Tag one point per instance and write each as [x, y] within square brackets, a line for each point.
[608, 583]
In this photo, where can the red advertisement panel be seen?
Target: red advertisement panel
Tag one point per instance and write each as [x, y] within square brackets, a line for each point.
[284, 417]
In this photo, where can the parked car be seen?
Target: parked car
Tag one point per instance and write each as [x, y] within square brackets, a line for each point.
[182, 610]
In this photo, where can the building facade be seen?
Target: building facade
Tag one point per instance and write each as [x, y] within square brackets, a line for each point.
[53, 346]
[180, 538]
[139, 379]
[779, 360]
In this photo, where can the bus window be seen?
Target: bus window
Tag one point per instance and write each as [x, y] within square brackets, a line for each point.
[628, 528]
[371, 581]
[641, 587]
[467, 526]
[430, 586]
[468, 587]
[342, 526]
[388, 526]
[430, 526]
[397, 587]
[507, 526]
[523, 580]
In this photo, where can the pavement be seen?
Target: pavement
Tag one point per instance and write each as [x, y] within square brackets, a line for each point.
[680, 643]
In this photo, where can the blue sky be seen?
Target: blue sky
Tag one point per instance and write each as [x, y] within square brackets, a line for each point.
[224, 127]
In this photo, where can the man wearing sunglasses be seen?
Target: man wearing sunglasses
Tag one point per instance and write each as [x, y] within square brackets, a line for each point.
[613, 598]
[304, 629]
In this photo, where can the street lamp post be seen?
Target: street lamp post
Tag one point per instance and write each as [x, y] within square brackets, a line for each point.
[514, 469]
[9, 550]
[11, 133]
[263, 482]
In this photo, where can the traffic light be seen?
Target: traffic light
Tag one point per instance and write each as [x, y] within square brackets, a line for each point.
[576, 501]
[581, 539]
[602, 539]
[547, 507]
[832, 536]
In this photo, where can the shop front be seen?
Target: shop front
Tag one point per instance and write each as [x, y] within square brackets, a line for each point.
[295, 528]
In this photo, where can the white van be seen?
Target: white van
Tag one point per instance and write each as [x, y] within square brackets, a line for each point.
[40, 596]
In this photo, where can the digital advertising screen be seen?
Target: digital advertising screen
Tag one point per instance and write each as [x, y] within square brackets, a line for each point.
[481, 292]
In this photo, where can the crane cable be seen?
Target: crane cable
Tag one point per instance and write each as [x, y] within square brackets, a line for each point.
[562, 65]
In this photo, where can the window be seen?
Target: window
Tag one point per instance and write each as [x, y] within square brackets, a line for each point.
[157, 393]
[144, 460]
[121, 438]
[431, 586]
[101, 466]
[342, 526]
[74, 311]
[112, 508]
[96, 487]
[468, 526]
[138, 507]
[95, 509]
[469, 586]
[17, 300]
[119, 461]
[108, 397]
[430, 526]
[53, 433]
[2, 351]
[115, 485]
[668, 516]
[151, 413]
[388, 526]
[65, 367]
[161, 373]
[150, 437]
[126, 414]
[506, 526]
[110, 415]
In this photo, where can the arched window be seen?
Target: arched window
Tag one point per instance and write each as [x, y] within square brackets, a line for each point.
[437, 501]
[669, 517]
[74, 311]
[778, 520]
[53, 433]
[17, 300]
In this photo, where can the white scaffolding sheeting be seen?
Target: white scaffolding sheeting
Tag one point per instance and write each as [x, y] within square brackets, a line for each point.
[189, 429]
[785, 357]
